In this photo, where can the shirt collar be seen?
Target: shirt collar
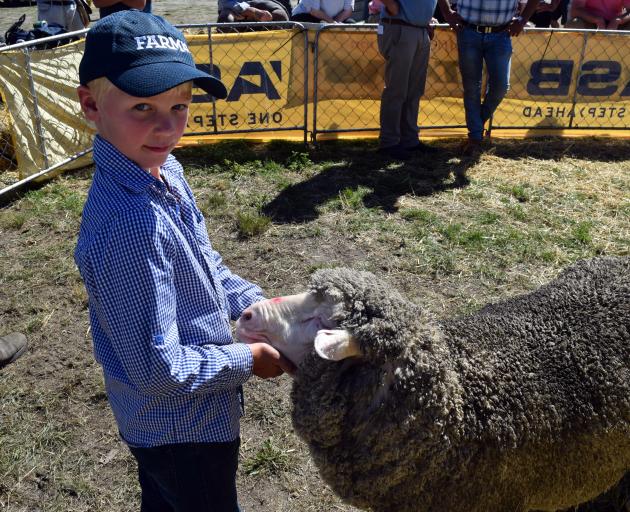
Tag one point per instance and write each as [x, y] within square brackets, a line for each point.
[127, 173]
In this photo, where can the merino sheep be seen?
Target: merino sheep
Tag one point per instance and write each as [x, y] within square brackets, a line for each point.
[522, 406]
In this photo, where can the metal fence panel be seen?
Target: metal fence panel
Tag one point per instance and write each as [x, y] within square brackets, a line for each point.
[566, 79]
[39, 108]
[349, 81]
[578, 80]
[41, 126]
[267, 83]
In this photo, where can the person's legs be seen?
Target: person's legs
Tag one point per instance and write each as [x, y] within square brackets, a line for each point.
[287, 6]
[469, 46]
[305, 18]
[397, 45]
[72, 18]
[64, 15]
[417, 79]
[278, 12]
[541, 19]
[188, 477]
[226, 16]
[497, 53]
[564, 11]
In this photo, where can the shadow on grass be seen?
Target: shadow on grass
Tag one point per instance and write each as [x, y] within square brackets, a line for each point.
[597, 149]
[424, 175]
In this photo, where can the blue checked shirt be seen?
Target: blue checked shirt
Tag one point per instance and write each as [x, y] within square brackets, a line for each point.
[160, 302]
[487, 12]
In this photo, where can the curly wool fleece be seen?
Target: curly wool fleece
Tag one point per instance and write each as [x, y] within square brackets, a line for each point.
[524, 405]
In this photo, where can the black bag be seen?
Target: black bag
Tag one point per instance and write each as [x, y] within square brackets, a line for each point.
[16, 34]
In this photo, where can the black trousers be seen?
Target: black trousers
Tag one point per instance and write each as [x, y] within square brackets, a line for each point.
[277, 8]
[544, 19]
[189, 477]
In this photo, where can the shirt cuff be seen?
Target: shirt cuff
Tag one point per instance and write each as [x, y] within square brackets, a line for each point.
[242, 362]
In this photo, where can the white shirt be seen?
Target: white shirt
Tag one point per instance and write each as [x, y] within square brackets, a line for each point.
[330, 7]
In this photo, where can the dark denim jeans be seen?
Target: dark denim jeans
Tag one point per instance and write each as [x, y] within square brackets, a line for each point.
[190, 477]
[475, 49]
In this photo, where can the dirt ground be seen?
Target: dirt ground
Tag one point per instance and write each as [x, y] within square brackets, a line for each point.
[452, 233]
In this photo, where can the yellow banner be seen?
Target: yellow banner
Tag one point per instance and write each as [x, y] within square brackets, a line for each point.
[554, 85]
[264, 74]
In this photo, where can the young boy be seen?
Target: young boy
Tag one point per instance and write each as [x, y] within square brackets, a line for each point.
[160, 298]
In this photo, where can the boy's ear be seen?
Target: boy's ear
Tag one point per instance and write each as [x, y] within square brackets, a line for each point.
[88, 103]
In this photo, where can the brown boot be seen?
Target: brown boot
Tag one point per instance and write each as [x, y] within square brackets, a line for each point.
[12, 346]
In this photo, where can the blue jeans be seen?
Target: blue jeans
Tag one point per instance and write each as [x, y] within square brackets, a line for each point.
[189, 477]
[475, 48]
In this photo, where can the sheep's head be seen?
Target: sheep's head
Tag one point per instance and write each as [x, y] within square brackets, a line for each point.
[339, 304]
[295, 324]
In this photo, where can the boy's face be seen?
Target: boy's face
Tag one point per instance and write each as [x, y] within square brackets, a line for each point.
[145, 130]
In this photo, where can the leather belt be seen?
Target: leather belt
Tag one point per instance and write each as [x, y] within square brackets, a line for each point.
[397, 21]
[486, 29]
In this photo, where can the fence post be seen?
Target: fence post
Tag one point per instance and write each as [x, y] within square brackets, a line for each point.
[577, 83]
[305, 32]
[39, 131]
[315, 79]
[214, 100]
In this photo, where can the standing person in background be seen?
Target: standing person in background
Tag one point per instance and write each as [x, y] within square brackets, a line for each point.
[328, 11]
[602, 14]
[61, 12]
[484, 31]
[107, 7]
[404, 40]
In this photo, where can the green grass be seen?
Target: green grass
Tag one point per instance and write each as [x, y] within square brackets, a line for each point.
[251, 224]
[269, 459]
[12, 220]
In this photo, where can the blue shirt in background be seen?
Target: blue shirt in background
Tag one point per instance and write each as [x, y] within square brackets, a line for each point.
[416, 12]
[160, 303]
[487, 12]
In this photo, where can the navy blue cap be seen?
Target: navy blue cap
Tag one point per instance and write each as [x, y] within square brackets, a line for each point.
[143, 55]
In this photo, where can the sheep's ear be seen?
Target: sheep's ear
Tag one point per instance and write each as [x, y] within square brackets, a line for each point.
[335, 345]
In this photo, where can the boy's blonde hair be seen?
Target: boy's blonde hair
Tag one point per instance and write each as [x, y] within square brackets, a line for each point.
[100, 87]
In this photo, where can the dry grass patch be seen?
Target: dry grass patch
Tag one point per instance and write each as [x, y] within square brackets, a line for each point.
[450, 233]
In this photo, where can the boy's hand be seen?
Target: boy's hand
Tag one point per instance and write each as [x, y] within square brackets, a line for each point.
[268, 362]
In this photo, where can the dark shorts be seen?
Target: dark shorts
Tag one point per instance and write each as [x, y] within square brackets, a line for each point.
[277, 8]
[190, 477]
[544, 19]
